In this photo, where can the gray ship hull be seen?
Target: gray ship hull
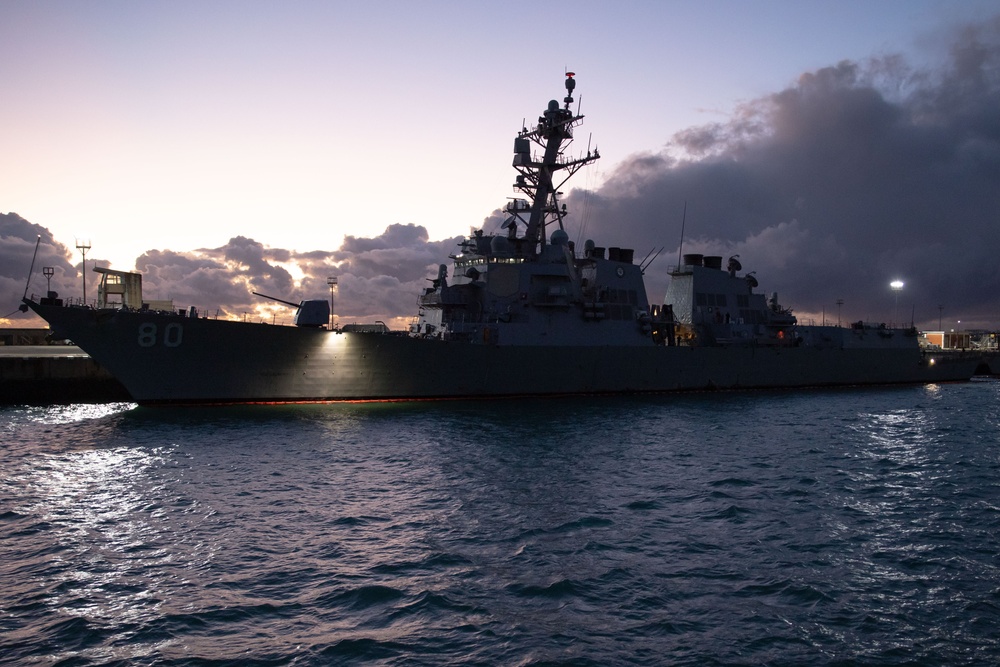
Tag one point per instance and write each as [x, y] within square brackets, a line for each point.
[174, 359]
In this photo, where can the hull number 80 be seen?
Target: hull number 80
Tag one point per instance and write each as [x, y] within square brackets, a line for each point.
[149, 335]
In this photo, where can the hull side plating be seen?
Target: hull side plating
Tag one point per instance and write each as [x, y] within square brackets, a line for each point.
[174, 359]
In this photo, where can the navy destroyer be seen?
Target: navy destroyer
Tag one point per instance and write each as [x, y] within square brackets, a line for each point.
[520, 312]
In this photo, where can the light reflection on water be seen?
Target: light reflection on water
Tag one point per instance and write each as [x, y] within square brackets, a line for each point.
[900, 435]
[76, 412]
[904, 547]
[114, 530]
[101, 513]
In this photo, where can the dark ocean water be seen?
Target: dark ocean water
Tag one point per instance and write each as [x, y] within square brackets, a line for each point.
[855, 527]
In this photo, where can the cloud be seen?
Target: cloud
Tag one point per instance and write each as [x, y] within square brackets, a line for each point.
[18, 239]
[402, 251]
[854, 175]
[379, 277]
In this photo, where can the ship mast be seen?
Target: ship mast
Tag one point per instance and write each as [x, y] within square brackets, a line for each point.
[536, 179]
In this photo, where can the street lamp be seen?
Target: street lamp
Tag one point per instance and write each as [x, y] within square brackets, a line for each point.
[897, 286]
[48, 272]
[840, 302]
[332, 282]
[83, 245]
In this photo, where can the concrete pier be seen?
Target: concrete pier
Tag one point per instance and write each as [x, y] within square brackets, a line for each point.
[54, 374]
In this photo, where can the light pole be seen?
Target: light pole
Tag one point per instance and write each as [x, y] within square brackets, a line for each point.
[940, 309]
[83, 245]
[897, 286]
[48, 272]
[332, 282]
[840, 302]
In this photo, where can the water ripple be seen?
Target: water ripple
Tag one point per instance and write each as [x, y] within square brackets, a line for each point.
[784, 528]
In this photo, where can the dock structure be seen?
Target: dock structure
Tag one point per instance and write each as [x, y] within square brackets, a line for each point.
[52, 375]
[24, 336]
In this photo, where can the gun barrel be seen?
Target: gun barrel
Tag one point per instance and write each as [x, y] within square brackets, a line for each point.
[274, 298]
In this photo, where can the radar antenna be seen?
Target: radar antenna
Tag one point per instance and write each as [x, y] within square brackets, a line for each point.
[31, 269]
[680, 248]
[536, 174]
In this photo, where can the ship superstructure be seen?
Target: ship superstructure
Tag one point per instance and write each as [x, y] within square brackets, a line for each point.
[530, 285]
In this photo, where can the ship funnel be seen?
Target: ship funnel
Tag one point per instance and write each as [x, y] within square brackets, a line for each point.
[693, 259]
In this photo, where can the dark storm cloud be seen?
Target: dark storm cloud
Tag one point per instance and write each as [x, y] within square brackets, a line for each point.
[857, 174]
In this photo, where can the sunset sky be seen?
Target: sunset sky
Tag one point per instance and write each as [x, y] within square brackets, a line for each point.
[263, 133]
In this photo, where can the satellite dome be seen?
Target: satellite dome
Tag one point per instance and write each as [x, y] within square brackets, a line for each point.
[499, 245]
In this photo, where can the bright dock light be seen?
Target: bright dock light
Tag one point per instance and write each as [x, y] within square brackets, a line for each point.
[897, 286]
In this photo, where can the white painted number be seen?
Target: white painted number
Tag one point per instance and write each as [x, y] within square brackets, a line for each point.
[147, 334]
[173, 334]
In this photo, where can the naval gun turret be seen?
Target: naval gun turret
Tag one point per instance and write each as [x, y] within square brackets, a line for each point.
[312, 313]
